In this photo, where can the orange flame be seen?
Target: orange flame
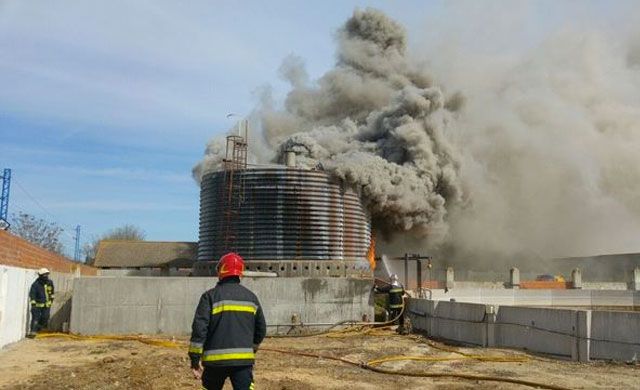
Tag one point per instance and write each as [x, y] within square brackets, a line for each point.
[371, 254]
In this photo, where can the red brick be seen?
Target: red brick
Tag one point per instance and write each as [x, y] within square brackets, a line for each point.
[17, 252]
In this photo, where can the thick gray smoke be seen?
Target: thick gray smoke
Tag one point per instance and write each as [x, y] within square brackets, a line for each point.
[375, 121]
[536, 156]
[549, 135]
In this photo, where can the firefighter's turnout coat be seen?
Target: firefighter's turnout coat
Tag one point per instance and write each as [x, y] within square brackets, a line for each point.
[41, 294]
[396, 292]
[228, 326]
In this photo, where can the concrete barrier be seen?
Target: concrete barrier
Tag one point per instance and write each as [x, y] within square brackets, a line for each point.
[576, 334]
[463, 322]
[14, 302]
[550, 298]
[551, 331]
[165, 305]
[615, 335]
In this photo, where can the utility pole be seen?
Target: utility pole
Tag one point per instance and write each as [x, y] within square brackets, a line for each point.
[4, 199]
[76, 254]
[418, 259]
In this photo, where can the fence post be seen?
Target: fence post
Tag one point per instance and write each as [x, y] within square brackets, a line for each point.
[491, 313]
[450, 281]
[635, 283]
[514, 278]
[576, 278]
[583, 336]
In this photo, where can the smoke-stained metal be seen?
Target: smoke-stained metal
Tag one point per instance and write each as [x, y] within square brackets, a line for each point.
[285, 214]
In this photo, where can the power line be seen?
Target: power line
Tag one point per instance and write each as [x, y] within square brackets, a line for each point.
[64, 240]
[35, 201]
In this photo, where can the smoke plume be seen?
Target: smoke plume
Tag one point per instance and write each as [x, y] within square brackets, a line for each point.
[533, 154]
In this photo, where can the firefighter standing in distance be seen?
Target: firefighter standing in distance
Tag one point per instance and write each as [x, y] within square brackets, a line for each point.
[395, 302]
[227, 329]
[41, 298]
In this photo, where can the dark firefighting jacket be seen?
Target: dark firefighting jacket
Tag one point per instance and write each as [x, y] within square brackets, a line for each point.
[395, 295]
[41, 293]
[228, 326]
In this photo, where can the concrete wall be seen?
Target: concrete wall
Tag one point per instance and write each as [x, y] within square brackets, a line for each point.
[623, 328]
[576, 334]
[14, 302]
[144, 272]
[460, 321]
[555, 298]
[166, 305]
[535, 329]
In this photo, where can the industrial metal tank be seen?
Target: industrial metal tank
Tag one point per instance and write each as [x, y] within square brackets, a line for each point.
[292, 221]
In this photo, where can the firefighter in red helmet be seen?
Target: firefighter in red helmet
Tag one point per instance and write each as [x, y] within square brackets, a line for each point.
[227, 329]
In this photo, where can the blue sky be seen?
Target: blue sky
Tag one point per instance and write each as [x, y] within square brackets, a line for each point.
[105, 106]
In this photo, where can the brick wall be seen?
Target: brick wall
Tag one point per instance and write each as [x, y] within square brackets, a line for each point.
[544, 285]
[17, 252]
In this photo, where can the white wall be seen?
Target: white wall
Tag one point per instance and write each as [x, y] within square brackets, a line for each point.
[14, 302]
[543, 297]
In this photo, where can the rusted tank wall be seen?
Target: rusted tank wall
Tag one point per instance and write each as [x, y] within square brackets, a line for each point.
[281, 214]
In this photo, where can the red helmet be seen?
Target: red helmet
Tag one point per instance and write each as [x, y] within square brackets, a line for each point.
[230, 264]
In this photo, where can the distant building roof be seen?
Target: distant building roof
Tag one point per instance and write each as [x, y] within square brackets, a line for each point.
[603, 268]
[145, 254]
[633, 256]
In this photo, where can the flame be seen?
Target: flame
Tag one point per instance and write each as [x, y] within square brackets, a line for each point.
[371, 253]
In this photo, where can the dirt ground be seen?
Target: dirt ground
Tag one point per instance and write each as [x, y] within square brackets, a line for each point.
[57, 363]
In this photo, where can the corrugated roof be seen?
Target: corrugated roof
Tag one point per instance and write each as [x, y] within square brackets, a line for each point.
[134, 254]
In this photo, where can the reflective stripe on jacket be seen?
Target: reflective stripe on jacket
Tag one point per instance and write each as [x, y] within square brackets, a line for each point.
[227, 324]
[395, 296]
[41, 293]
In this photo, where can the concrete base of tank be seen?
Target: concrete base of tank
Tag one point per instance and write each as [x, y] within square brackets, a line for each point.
[296, 268]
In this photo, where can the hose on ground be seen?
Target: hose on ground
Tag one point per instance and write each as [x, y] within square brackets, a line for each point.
[370, 367]
[481, 358]
[352, 323]
[144, 340]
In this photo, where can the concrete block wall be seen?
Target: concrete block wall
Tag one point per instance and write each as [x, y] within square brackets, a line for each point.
[165, 305]
[16, 252]
[576, 334]
[14, 302]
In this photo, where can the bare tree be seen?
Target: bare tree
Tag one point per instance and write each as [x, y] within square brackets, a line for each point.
[38, 231]
[126, 232]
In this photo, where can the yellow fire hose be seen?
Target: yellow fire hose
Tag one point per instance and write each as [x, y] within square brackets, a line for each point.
[141, 339]
[370, 365]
